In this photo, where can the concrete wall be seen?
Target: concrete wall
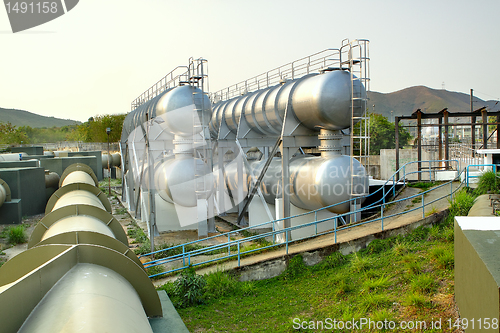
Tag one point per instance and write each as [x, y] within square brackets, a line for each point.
[27, 184]
[58, 165]
[273, 267]
[477, 267]
[388, 162]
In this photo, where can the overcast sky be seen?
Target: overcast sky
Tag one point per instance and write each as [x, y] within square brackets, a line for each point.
[102, 54]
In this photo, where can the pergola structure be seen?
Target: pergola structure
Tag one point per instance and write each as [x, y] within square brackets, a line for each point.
[443, 119]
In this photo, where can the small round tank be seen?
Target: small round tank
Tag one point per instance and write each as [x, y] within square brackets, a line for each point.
[315, 181]
[175, 180]
[175, 109]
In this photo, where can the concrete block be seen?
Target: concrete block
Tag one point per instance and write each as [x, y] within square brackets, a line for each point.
[33, 150]
[58, 165]
[97, 154]
[27, 184]
[11, 212]
[477, 267]
[446, 175]
[19, 164]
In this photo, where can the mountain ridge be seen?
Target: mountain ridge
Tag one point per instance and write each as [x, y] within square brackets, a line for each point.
[26, 118]
[406, 101]
[401, 102]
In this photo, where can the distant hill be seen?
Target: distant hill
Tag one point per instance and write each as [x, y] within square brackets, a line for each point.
[25, 118]
[406, 101]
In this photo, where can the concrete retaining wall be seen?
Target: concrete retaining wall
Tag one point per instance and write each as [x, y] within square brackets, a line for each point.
[271, 268]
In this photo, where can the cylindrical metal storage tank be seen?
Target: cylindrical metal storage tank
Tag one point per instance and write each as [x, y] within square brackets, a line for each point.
[117, 159]
[324, 101]
[51, 183]
[175, 109]
[3, 195]
[316, 182]
[175, 180]
[318, 101]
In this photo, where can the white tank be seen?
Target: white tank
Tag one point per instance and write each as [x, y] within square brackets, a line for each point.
[315, 181]
[175, 180]
[318, 101]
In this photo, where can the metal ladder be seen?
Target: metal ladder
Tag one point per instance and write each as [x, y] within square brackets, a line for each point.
[355, 55]
[198, 78]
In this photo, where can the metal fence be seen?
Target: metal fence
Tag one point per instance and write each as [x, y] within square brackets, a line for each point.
[233, 249]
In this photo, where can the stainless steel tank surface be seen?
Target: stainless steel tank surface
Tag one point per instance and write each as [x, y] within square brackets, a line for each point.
[315, 182]
[318, 101]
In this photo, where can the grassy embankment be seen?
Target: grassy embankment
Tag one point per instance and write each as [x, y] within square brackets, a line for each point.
[398, 279]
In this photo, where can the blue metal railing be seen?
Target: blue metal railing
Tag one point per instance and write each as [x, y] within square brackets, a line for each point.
[223, 248]
[468, 175]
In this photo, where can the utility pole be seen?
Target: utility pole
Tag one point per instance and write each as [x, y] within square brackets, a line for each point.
[108, 130]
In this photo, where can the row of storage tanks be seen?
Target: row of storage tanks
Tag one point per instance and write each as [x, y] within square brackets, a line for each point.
[78, 273]
[320, 102]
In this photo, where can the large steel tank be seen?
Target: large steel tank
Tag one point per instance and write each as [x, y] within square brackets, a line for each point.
[315, 181]
[318, 101]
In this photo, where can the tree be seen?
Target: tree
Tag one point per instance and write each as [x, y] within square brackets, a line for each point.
[383, 134]
[94, 130]
[9, 134]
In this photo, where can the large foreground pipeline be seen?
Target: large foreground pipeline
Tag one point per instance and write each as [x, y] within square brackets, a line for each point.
[78, 273]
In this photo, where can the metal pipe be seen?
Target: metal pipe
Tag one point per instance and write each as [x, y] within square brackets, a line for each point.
[89, 298]
[83, 278]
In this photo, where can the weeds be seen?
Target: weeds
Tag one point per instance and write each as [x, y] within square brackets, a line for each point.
[423, 185]
[16, 235]
[488, 183]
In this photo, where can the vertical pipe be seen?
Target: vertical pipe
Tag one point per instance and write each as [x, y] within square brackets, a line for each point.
[446, 145]
[241, 198]
[285, 183]
[419, 143]
[484, 115]
[440, 140]
[498, 132]
[396, 128]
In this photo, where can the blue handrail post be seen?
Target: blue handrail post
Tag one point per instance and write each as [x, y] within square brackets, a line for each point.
[382, 215]
[183, 256]
[228, 244]
[383, 194]
[467, 175]
[451, 190]
[393, 186]
[238, 253]
[430, 173]
[423, 207]
[316, 220]
[274, 235]
[286, 241]
[335, 228]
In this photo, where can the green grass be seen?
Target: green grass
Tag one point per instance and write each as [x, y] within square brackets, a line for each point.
[399, 278]
[15, 234]
[423, 185]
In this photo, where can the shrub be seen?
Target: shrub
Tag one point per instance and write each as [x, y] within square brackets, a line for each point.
[378, 246]
[334, 260]
[189, 288]
[424, 283]
[296, 268]
[219, 284]
[488, 183]
[16, 235]
[155, 270]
